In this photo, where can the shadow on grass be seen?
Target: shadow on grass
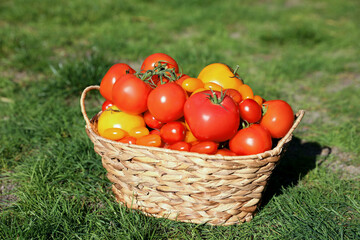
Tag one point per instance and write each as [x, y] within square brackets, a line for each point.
[297, 161]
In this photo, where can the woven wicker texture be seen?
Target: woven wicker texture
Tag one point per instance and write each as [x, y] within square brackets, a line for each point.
[185, 186]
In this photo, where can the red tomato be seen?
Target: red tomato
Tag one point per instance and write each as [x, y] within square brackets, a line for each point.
[130, 94]
[214, 120]
[106, 105]
[180, 146]
[112, 75]
[250, 110]
[252, 140]
[225, 152]
[151, 121]
[129, 140]
[152, 61]
[207, 147]
[278, 118]
[152, 140]
[166, 102]
[173, 132]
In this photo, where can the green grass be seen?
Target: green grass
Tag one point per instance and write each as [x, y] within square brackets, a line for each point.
[305, 52]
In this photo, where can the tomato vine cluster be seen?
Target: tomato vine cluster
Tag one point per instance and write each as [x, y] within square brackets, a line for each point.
[214, 113]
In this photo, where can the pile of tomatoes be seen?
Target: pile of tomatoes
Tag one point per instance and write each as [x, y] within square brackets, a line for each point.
[214, 113]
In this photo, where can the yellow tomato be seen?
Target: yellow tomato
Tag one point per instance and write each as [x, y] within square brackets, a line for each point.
[139, 132]
[220, 74]
[113, 118]
[114, 133]
[191, 84]
[213, 86]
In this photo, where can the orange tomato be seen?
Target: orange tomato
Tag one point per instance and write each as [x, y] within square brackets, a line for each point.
[259, 100]
[139, 132]
[189, 137]
[246, 91]
[152, 140]
[114, 133]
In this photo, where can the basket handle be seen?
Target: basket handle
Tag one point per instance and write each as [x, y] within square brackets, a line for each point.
[299, 115]
[82, 103]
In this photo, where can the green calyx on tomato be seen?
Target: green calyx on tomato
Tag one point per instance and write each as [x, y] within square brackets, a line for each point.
[160, 74]
[215, 99]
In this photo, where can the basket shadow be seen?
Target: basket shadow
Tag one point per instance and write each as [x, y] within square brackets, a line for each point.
[297, 161]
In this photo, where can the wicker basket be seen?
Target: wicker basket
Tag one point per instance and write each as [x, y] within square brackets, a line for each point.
[186, 186]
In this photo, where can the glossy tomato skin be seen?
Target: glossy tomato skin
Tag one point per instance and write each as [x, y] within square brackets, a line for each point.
[151, 121]
[166, 102]
[180, 146]
[252, 140]
[206, 147]
[130, 94]
[151, 140]
[106, 104]
[173, 132]
[220, 74]
[111, 76]
[151, 61]
[128, 139]
[209, 121]
[113, 118]
[225, 152]
[250, 111]
[278, 118]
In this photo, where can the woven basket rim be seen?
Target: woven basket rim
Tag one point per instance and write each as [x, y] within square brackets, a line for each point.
[273, 152]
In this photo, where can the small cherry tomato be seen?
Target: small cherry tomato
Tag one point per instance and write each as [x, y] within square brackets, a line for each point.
[246, 91]
[225, 152]
[259, 100]
[180, 146]
[182, 78]
[152, 140]
[250, 111]
[151, 121]
[107, 104]
[128, 139]
[234, 94]
[114, 133]
[173, 132]
[207, 147]
[139, 132]
[191, 84]
[166, 102]
[252, 140]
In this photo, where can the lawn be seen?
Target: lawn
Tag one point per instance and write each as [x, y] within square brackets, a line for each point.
[304, 52]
